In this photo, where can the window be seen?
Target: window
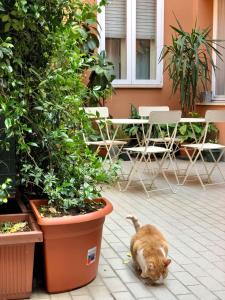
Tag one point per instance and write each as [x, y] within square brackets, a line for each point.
[218, 83]
[132, 35]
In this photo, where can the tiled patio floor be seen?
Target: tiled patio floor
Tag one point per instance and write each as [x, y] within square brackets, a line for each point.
[193, 222]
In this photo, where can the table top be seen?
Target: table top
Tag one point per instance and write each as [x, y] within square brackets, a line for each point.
[125, 121]
[192, 120]
[146, 121]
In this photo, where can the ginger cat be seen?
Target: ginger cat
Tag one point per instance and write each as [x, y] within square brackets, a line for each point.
[149, 251]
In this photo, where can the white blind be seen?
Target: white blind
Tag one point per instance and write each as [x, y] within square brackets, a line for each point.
[146, 19]
[115, 19]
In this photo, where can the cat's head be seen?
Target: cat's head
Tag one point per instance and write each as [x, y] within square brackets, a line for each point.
[156, 268]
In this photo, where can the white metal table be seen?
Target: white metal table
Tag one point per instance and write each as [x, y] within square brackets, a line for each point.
[142, 122]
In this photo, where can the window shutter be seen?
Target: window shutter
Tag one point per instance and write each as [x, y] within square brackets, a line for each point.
[146, 19]
[115, 19]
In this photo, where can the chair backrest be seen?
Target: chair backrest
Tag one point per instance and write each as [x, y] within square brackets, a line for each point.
[144, 111]
[99, 112]
[165, 117]
[158, 119]
[215, 116]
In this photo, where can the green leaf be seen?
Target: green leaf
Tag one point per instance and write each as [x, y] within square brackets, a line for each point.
[8, 123]
[5, 18]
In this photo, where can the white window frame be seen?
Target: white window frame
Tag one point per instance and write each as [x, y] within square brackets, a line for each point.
[131, 80]
[214, 56]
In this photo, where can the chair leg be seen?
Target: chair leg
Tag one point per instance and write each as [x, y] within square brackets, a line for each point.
[133, 170]
[174, 168]
[206, 169]
[216, 164]
[160, 170]
[190, 165]
[199, 177]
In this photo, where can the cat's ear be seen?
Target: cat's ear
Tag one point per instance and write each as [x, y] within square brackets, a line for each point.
[167, 262]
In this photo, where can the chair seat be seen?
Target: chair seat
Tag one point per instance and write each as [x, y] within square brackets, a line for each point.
[107, 142]
[206, 146]
[150, 149]
[163, 140]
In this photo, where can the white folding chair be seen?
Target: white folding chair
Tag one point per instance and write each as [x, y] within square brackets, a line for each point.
[163, 134]
[144, 111]
[155, 118]
[211, 116]
[106, 141]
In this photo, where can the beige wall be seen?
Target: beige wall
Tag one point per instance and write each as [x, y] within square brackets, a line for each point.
[186, 12]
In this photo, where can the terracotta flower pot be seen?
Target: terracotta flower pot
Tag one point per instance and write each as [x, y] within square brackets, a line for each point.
[183, 154]
[16, 258]
[71, 247]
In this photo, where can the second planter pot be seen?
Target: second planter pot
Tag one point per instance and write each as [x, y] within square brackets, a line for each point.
[16, 258]
[71, 246]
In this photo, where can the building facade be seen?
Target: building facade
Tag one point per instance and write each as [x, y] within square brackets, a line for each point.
[133, 33]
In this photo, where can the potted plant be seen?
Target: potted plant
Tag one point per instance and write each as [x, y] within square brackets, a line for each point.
[41, 96]
[188, 62]
[18, 235]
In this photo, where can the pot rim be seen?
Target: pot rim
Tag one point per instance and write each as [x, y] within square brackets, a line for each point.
[66, 220]
[35, 235]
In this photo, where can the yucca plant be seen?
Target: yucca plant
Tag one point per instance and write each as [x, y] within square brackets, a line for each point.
[189, 62]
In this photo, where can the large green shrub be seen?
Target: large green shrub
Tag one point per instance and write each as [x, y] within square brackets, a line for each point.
[46, 46]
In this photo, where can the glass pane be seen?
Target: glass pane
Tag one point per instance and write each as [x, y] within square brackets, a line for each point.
[115, 35]
[116, 50]
[146, 39]
[220, 72]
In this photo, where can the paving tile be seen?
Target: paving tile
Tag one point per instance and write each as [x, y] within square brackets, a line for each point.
[175, 267]
[210, 256]
[118, 247]
[40, 295]
[217, 250]
[211, 283]
[186, 278]
[162, 292]
[128, 275]
[195, 270]
[118, 263]
[197, 246]
[121, 233]
[102, 261]
[218, 274]
[115, 284]
[176, 287]
[220, 294]
[203, 263]
[110, 238]
[187, 297]
[108, 253]
[202, 292]
[188, 252]
[83, 297]
[97, 281]
[140, 290]
[99, 292]
[106, 271]
[123, 296]
[80, 292]
[61, 296]
[179, 258]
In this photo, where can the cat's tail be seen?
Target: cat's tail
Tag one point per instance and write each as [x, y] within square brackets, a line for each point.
[135, 222]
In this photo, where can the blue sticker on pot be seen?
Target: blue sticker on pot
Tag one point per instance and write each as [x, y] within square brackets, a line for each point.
[91, 255]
